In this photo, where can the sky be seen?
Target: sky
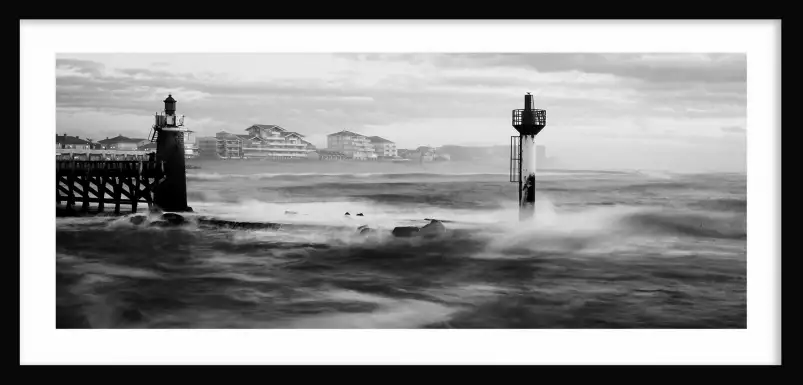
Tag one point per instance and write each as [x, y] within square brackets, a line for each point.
[674, 112]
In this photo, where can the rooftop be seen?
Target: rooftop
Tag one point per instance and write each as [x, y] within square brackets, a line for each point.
[377, 139]
[226, 135]
[119, 139]
[268, 127]
[288, 133]
[346, 133]
[61, 139]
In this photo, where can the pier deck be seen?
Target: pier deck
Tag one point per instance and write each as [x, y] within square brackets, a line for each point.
[107, 182]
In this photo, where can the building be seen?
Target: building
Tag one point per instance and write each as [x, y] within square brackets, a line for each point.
[122, 143]
[72, 147]
[72, 142]
[405, 153]
[326, 155]
[190, 150]
[310, 146]
[207, 146]
[269, 141]
[228, 145]
[354, 145]
[263, 141]
[420, 154]
[383, 147]
[150, 147]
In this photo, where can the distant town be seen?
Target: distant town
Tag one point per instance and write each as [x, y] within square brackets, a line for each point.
[270, 142]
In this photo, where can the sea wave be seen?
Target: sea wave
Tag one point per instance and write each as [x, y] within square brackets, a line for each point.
[325, 223]
[592, 256]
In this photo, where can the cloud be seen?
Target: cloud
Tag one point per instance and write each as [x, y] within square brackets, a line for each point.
[659, 68]
[81, 66]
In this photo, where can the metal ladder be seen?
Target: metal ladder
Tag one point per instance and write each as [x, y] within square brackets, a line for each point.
[515, 159]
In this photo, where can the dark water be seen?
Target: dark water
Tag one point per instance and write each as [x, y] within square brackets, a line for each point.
[606, 250]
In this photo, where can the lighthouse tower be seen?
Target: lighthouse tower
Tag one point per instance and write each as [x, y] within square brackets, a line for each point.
[528, 122]
[168, 133]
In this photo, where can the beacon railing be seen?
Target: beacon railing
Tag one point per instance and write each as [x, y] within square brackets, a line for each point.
[162, 119]
[537, 118]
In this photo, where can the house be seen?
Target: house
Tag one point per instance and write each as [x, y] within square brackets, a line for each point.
[310, 146]
[190, 150]
[228, 145]
[427, 150]
[383, 147]
[150, 147]
[207, 146]
[72, 142]
[404, 153]
[122, 143]
[268, 141]
[421, 154]
[354, 145]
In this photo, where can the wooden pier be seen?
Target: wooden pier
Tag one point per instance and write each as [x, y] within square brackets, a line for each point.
[114, 183]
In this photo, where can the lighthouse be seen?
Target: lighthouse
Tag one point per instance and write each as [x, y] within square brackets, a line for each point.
[168, 133]
[528, 122]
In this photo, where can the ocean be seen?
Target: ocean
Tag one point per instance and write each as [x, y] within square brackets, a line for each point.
[606, 249]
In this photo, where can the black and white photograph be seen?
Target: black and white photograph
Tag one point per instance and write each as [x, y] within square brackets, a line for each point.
[401, 188]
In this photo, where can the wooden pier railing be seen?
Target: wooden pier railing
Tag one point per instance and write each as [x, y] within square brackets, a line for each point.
[107, 182]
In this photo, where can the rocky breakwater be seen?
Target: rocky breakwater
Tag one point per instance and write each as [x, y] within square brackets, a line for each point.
[433, 228]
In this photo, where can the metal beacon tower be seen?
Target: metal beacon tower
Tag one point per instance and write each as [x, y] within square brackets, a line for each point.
[528, 122]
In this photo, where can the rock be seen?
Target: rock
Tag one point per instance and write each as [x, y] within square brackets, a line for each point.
[439, 220]
[137, 219]
[159, 224]
[434, 227]
[405, 231]
[173, 218]
[360, 215]
[290, 212]
[255, 225]
[347, 213]
[239, 225]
